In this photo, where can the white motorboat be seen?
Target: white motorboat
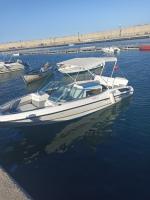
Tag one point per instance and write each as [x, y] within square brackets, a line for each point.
[116, 50]
[71, 45]
[10, 66]
[16, 54]
[77, 65]
[67, 102]
[111, 50]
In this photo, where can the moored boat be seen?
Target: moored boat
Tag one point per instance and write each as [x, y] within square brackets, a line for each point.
[10, 66]
[144, 48]
[44, 72]
[16, 54]
[67, 102]
[29, 78]
[111, 50]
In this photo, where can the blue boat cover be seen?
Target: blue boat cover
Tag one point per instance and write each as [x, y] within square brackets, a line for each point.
[91, 85]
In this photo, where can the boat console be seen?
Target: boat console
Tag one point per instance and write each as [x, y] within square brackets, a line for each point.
[39, 100]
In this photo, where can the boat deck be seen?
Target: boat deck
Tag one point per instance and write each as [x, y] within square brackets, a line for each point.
[26, 107]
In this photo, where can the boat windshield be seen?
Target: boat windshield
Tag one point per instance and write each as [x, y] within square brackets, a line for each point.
[67, 93]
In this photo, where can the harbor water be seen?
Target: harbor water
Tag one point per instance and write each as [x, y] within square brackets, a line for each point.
[105, 155]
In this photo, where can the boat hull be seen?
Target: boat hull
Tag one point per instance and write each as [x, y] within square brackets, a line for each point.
[35, 77]
[144, 48]
[69, 113]
[6, 68]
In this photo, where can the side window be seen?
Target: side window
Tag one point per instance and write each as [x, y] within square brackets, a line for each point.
[93, 92]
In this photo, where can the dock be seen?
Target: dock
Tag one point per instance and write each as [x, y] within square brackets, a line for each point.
[9, 189]
[67, 50]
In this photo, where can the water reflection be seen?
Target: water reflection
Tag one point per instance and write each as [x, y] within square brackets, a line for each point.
[25, 145]
[91, 129]
[10, 76]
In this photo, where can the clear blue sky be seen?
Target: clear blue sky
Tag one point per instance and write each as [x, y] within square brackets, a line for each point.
[36, 19]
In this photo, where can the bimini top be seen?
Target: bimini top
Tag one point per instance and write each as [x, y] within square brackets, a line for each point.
[83, 64]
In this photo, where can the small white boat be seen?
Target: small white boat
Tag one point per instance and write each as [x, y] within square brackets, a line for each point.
[16, 54]
[10, 66]
[116, 50]
[111, 50]
[71, 45]
[67, 102]
[77, 65]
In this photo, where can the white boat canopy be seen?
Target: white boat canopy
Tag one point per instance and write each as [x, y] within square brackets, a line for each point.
[87, 62]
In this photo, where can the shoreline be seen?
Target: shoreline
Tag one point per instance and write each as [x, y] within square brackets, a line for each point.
[135, 32]
[77, 44]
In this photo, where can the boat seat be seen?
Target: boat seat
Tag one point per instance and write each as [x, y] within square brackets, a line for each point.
[26, 107]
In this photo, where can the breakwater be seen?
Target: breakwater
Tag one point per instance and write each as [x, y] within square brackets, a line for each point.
[139, 31]
[74, 50]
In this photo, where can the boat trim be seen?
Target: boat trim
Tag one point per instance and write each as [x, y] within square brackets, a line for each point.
[34, 116]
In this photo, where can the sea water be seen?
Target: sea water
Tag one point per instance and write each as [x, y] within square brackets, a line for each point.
[105, 155]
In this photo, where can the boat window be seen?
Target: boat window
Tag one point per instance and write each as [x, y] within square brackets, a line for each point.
[60, 93]
[93, 92]
[123, 89]
[67, 93]
[76, 93]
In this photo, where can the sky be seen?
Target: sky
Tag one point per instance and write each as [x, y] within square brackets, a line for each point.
[40, 19]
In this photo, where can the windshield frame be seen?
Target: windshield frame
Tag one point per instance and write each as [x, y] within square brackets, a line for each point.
[67, 93]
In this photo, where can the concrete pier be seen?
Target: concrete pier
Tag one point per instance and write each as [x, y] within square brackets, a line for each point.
[9, 190]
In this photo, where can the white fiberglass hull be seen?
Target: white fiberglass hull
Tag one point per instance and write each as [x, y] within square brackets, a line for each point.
[66, 111]
[6, 68]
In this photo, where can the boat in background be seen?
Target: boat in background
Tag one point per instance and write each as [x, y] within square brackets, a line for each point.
[144, 48]
[67, 102]
[111, 50]
[45, 71]
[71, 45]
[16, 54]
[10, 66]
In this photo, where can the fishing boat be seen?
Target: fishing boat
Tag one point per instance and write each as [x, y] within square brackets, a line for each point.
[67, 102]
[10, 66]
[44, 72]
[77, 65]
